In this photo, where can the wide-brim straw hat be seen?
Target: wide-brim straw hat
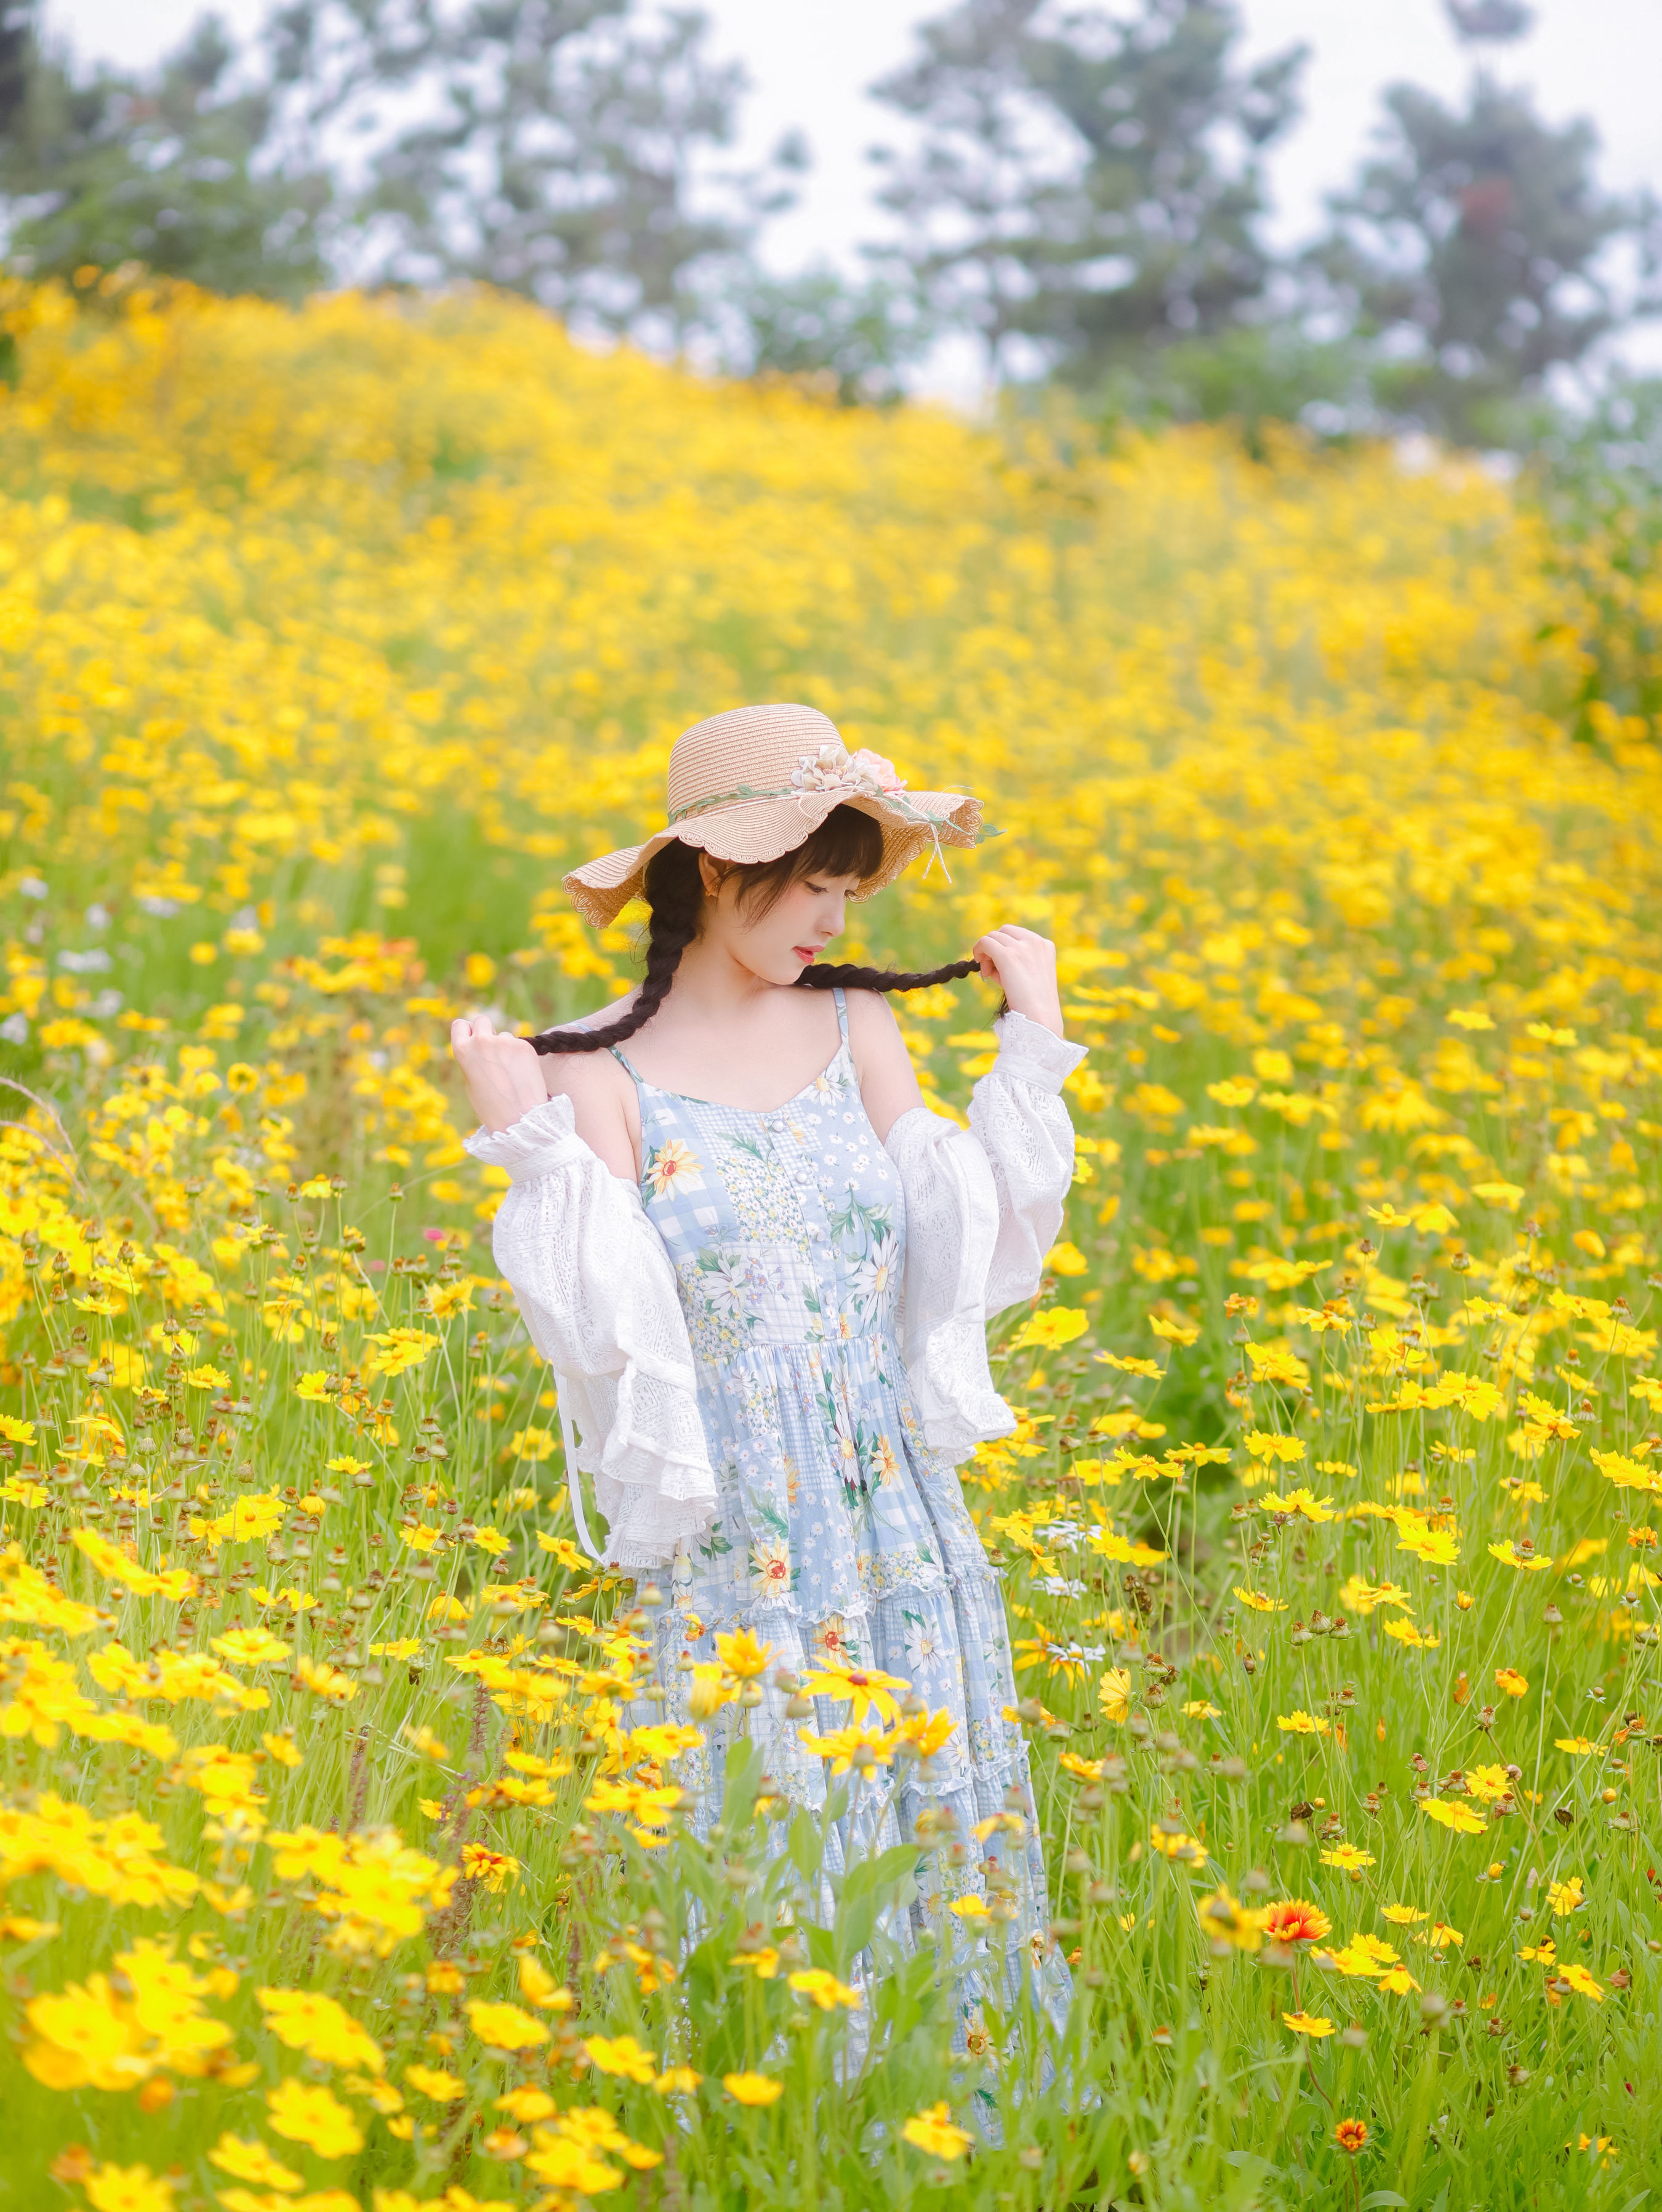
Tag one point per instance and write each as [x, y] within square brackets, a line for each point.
[756, 782]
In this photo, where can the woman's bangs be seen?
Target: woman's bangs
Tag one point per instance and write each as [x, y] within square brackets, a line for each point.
[847, 843]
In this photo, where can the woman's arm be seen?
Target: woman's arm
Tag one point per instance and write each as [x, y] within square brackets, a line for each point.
[1020, 962]
[983, 1205]
[1017, 1116]
[888, 1082]
[597, 1291]
[506, 1076]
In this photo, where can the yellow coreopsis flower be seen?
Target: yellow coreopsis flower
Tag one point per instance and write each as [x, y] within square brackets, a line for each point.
[935, 2130]
[250, 1647]
[753, 2089]
[307, 2020]
[866, 1688]
[128, 2189]
[1050, 1330]
[434, 2083]
[621, 2054]
[824, 1990]
[1464, 1820]
[743, 1658]
[247, 2159]
[504, 2026]
[1113, 1693]
[309, 2115]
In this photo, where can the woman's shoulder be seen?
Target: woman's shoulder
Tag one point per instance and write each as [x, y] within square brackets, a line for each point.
[601, 1091]
[870, 1014]
[600, 1018]
[594, 1074]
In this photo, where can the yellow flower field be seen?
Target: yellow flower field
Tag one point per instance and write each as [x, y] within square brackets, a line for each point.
[339, 1858]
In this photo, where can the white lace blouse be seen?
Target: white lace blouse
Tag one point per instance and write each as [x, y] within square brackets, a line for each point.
[595, 1284]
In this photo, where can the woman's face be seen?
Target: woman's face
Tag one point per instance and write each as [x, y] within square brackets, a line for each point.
[778, 942]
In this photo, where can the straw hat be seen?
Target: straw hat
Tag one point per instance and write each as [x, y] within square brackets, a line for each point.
[757, 781]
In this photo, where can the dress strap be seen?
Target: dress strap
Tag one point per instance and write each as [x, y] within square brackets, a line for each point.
[618, 1054]
[841, 1001]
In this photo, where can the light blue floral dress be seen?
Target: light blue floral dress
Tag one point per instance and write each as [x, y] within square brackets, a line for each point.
[841, 1538]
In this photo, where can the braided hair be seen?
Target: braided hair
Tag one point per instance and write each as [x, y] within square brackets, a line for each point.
[847, 843]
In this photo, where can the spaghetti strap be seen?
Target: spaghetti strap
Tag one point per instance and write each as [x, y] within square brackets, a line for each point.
[618, 1054]
[841, 1002]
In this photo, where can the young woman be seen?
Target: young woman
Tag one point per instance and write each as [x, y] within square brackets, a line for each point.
[761, 1268]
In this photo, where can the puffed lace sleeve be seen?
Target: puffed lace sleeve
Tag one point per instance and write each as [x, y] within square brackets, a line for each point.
[983, 1206]
[597, 1293]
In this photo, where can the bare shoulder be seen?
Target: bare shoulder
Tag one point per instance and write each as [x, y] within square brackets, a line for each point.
[602, 1097]
[589, 1077]
[872, 1028]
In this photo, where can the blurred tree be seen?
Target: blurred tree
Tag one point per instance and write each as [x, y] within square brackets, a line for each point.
[564, 149]
[1086, 184]
[819, 328]
[1477, 252]
[1489, 19]
[16, 57]
[1597, 474]
[169, 168]
[1252, 375]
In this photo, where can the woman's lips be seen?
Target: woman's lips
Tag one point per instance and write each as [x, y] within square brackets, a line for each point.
[806, 953]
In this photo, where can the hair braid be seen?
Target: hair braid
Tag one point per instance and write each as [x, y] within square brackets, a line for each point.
[676, 893]
[823, 976]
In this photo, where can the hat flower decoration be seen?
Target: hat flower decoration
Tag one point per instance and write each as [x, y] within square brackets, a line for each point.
[834, 768]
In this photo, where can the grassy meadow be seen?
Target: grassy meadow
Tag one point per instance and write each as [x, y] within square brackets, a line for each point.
[339, 1863]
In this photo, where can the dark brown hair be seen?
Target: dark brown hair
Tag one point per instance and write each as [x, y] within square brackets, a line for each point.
[847, 843]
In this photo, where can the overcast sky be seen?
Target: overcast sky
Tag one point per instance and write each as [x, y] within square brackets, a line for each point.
[809, 61]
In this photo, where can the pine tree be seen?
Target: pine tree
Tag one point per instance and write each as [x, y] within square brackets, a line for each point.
[1086, 189]
[1475, 249]
[164, 168]
[565, 148]
[568, 149]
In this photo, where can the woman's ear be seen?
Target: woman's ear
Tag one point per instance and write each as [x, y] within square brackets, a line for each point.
[712, 874]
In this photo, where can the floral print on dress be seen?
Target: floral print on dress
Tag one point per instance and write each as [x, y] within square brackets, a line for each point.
[840, 1535]
[672, 1166]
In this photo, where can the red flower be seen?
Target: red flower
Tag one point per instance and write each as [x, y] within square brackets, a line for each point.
[1296, 1920]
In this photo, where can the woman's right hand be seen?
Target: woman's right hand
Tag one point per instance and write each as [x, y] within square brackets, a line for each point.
[503, 1073]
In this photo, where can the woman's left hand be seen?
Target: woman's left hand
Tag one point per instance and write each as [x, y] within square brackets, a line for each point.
[1023, 964]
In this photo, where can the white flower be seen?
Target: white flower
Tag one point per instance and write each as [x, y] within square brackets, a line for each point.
[847, 1449]
[727, 1285]
[874, 1276]
[834, 768]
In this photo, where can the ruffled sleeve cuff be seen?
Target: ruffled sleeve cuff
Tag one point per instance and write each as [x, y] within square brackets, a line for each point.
[1033, 1055]
[542, 1140]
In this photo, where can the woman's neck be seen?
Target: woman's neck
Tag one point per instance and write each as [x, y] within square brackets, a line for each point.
[711, 986]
